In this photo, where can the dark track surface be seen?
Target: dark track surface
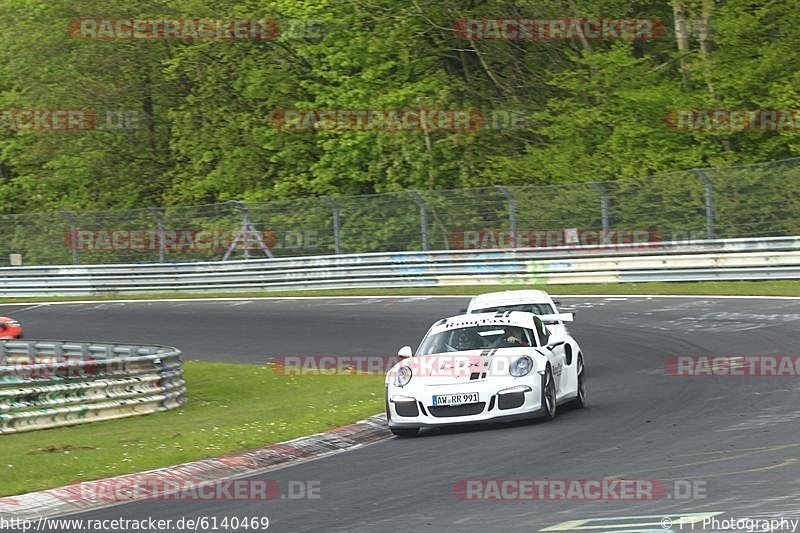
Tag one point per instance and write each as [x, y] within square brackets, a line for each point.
[740, 436]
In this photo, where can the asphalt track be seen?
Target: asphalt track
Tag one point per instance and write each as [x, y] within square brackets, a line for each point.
[738, 437]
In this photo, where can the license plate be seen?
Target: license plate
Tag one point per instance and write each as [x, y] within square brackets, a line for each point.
[455, 399]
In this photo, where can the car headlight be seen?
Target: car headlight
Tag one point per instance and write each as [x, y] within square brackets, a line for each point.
[521, 367]
[403, 376]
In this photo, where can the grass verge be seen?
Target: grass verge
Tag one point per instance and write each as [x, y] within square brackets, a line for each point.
[721, 288]
[231, 407]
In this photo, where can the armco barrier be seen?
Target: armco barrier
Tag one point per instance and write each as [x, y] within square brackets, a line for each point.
[46, 384]
[766, 258]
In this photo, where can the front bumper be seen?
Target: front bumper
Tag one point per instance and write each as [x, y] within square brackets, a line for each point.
[413, 407]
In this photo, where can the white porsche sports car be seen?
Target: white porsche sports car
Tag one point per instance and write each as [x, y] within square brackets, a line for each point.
[531, 301]
[484, 367]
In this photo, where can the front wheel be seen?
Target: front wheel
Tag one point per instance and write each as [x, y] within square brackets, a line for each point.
[549, 395]
[405, 433]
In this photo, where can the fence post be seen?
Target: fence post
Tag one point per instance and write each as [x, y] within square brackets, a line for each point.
[336, 226]
[160, 227]
[246, 224]
[73, 236]
[512, 208]
[603, 205]
[710, 233]
[423, 217]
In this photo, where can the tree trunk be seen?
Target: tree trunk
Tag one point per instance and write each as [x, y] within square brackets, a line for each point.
[682, 39]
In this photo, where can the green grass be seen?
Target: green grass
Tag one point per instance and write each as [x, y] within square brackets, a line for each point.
[230, 408]
[732, 288]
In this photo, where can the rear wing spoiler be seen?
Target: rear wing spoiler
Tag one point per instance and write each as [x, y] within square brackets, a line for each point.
[559, 317]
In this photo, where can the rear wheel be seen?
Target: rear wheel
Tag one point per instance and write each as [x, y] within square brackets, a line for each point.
[580, 400]
[548, 395]
[405, 433]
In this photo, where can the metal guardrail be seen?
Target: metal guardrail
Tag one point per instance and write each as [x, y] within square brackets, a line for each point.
[45, 384]
[766, 258]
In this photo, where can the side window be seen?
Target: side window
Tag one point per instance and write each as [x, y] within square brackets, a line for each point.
[541, 331]
[530, 337]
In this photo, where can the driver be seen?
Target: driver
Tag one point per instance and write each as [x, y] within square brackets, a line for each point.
[464, 341]
[515, 335]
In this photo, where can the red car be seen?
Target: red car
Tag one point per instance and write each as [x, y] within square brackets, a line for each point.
[10, 328]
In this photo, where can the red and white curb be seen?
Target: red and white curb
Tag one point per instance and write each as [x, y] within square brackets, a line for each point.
[78, 496]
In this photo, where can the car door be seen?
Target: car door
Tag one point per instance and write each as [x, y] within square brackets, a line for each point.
[554, 346]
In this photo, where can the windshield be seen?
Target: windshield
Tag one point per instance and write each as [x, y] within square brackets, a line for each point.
[536, 309]
[477, 338]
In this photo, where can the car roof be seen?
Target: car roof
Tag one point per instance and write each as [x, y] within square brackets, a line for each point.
[492, 299]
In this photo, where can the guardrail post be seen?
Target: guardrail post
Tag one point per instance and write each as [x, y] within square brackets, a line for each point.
[160, 232]
[603, 205]
[337, 245]
[73, 236]
[512, 207]
[709, 203]
[423, 217]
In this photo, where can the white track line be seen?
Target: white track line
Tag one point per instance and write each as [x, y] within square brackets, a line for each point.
[385, 297]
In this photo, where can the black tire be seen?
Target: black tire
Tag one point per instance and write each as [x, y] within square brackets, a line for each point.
[548, 395]
[405, 433]
[580, 400]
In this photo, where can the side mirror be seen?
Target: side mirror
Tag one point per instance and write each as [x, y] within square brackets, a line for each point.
[404, 353]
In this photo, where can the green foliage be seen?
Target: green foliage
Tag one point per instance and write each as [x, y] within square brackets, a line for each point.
[593, 111]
